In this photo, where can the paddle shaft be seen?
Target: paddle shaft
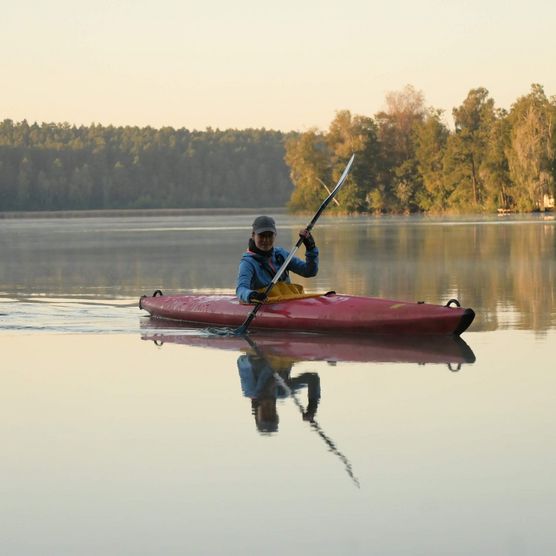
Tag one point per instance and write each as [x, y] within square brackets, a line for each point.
[243, 328]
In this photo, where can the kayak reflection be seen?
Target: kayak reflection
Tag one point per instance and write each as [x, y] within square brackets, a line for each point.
[449, 350]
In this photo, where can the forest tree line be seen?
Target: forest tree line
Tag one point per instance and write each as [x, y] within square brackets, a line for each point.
[407, 160]
[63, 167]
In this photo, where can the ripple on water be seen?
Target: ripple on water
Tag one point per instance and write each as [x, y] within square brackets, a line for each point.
[65, 315]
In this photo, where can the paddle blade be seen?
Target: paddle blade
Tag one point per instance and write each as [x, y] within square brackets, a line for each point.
[343, 176]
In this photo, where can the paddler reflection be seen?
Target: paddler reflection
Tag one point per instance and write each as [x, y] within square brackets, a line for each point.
[267, 378]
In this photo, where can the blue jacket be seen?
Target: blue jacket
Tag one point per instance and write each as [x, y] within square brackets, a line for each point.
[256, 271]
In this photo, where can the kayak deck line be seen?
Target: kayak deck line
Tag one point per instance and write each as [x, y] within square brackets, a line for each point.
[336, 312]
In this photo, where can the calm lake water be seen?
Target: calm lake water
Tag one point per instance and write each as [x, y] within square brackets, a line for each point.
[120, 436]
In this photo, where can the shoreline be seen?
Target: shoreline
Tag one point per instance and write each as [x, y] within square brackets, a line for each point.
[129, 213]
[119, 213]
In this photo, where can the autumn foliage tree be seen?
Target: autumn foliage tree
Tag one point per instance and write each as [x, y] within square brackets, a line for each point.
[408, 159]
[531, 150]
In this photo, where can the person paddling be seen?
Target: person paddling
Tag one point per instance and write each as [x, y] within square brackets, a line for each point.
[260, 262]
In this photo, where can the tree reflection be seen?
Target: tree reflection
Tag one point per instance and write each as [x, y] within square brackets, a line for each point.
[504, 269]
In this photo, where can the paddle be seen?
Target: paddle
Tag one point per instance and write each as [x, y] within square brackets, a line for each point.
[243, 328]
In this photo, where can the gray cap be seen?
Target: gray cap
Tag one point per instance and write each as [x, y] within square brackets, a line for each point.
[264, 224]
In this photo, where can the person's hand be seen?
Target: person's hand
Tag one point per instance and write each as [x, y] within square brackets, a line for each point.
[256, 297]
[308, 239]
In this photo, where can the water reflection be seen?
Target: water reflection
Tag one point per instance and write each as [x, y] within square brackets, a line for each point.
[158, 449]
[505, 270]
[266, 362]
[298, 347]
[265, 378]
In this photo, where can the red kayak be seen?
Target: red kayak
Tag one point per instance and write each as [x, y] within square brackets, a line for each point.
[344, 314]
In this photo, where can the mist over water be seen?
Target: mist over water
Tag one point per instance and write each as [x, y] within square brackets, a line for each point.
[505, 268]
[123, 435]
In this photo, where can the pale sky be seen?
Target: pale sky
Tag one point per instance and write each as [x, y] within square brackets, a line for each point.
[286, 65]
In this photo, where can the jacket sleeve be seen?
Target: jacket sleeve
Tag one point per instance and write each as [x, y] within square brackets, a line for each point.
[307, 268]
[244, 280]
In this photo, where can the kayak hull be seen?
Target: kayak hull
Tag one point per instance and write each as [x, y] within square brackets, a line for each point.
[345, 314]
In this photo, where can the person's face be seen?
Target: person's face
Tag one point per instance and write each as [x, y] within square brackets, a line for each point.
[264, 241]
